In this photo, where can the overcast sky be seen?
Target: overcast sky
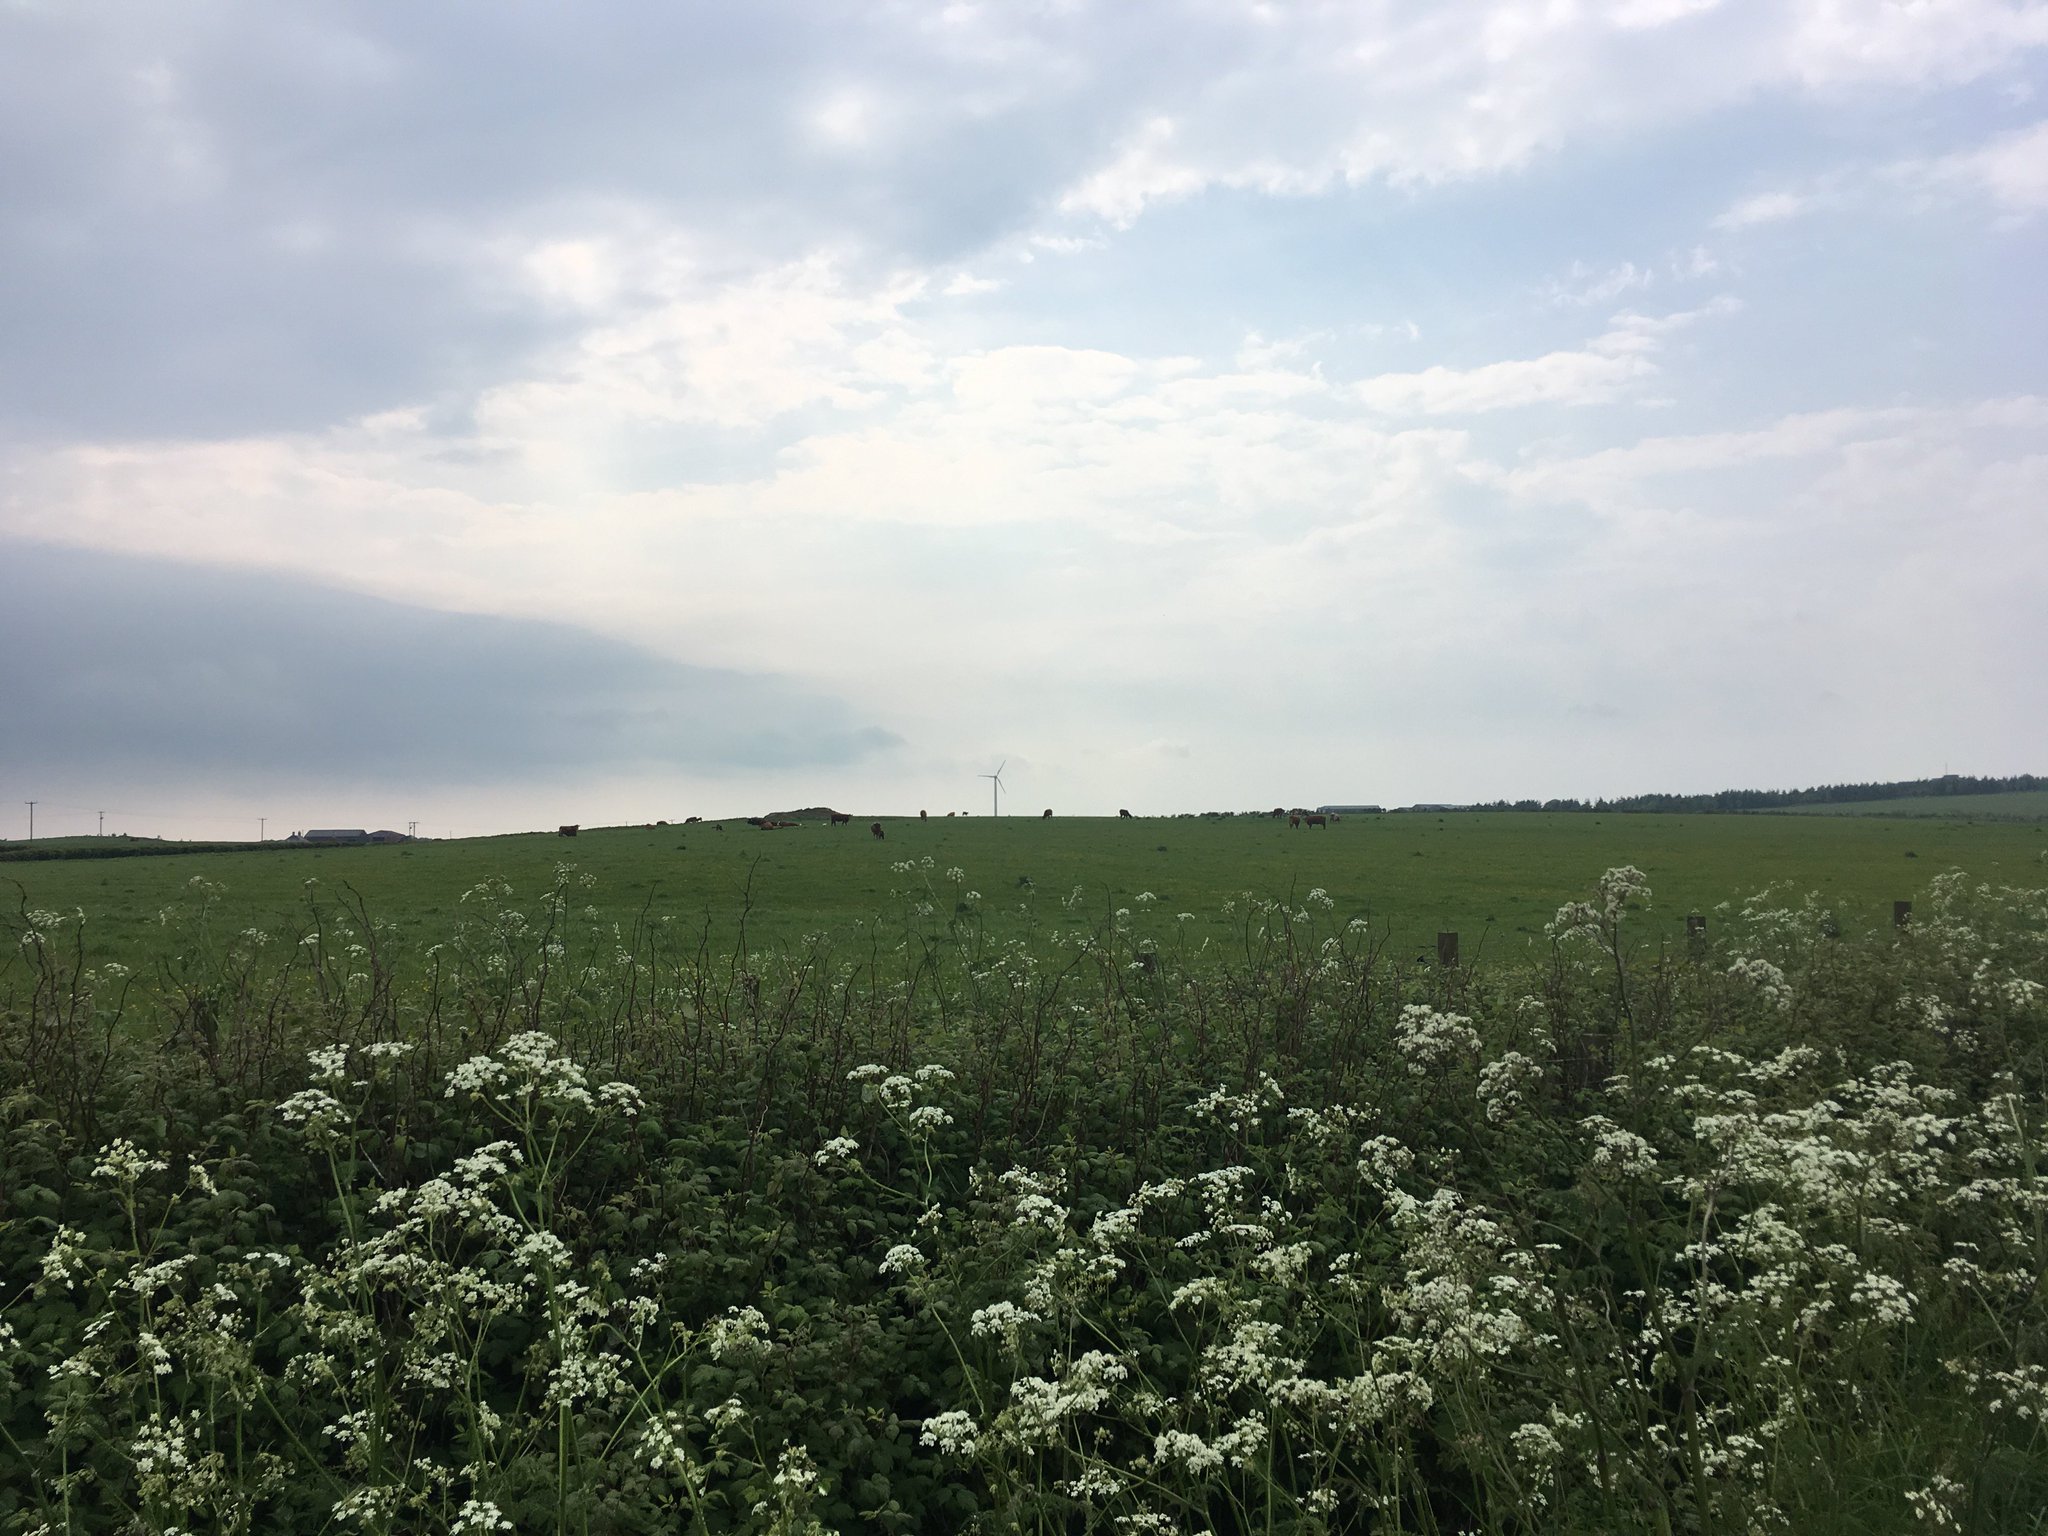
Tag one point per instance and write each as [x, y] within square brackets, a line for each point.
[497, 414]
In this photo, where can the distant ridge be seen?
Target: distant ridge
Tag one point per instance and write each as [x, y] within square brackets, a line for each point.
[1776, 799]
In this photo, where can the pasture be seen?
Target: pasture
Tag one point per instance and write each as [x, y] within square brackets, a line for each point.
[2017, 805]
[1494, 877]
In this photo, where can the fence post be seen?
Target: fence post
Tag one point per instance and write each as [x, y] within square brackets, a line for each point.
[1902, 914]
[1447, 949]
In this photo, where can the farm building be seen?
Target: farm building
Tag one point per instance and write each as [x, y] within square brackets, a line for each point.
[1350, 810]
[330, 837]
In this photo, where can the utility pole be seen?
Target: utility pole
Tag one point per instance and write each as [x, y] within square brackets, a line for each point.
[261, 822]
[412, 829]
[103, 823]
[31, 819]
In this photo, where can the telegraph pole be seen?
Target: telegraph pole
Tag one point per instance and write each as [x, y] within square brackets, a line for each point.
[261, 822]
[103, 823]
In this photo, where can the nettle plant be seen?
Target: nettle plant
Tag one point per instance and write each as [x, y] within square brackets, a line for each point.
[563, 1230]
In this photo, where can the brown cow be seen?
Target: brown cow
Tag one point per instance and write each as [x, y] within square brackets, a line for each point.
[1048, 814]
[1125, 816]
[921, 815]
[1316, 819]
[839, 818]
[567, 829]
[1295, 822]
[876, 828]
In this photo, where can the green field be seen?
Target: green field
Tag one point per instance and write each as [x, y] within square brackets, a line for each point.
[2020, 805]
[1495, 878]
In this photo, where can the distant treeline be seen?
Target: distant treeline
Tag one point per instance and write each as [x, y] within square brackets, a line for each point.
[1777, 799]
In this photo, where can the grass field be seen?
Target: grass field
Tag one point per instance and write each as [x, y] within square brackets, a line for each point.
[2021, 805]
[1495, 878]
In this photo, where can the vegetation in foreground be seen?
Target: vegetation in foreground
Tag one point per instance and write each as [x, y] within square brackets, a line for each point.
[560, 1224]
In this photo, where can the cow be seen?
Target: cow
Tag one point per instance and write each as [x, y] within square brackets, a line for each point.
[922, 815]
[691, 821]
[1048, 814]
[1294, 822]
[876, 828]
[1278, 812]
[950, 813]
[1125, 816]
[568, 829]
[1316, 819]
[839, 818]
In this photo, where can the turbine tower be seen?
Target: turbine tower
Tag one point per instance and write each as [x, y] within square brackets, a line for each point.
[995, 787]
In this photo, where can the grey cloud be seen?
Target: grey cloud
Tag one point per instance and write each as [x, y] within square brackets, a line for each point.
[120, 663]
[244, 218]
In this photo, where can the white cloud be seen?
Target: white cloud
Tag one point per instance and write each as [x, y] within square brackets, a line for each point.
[737, 354]
[1583, 284]
[1418, 94]
[2010, 170]
[1643, 475]
[1764, 208]
[1604, 370]
[1143, 172]
[1557, 378]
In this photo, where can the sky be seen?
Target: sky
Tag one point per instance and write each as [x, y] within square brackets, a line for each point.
[490, 415]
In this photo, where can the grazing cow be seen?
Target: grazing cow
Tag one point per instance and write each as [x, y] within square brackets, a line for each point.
[1295, 822]
[1048, 814]
[950, 813]
[921, 816]
[568, 829]
[839, 818]
[876, 828]
[1315, 819]
[1125, 816]
[691, 821]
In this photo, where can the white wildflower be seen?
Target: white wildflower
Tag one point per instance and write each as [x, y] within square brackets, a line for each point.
[951, 1433]
[838, 1149]
[903, 1259]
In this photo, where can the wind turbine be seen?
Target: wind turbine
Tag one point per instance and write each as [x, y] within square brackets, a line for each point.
[995, 787]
